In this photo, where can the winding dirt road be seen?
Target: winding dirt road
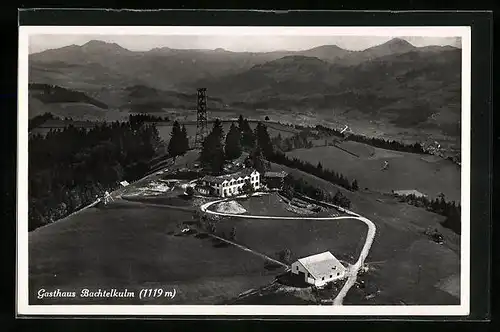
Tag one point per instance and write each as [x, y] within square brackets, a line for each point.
[352, 270]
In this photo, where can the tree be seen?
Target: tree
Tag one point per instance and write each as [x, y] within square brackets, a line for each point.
[184, 140]
[247, 135]
[175, 144]
[241, 121]
[189, 191]
[217, 130]
[247, 187]
[212, 154]
[256, 160]
[267, 118]
[263, 140]
[285, 255]
[233, 143]
[355, 185]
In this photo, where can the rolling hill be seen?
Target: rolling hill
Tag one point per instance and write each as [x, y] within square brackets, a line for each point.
[407, 88]
[396, 82]
[165, 68]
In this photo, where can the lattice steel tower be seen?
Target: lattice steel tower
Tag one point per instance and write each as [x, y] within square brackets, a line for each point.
[201, 118]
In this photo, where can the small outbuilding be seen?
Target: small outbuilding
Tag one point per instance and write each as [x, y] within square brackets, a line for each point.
[319, 269]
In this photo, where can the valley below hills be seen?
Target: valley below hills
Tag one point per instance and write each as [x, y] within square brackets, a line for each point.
[394, 90]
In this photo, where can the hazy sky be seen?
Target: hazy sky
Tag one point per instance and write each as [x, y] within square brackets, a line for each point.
[38, 43]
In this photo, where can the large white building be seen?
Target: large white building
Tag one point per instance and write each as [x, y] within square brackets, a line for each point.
[230, 184]
[319, 269]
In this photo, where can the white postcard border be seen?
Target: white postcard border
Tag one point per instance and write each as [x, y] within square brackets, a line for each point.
[22, 300]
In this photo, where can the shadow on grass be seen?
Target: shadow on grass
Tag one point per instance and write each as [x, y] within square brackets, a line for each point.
[292, 280]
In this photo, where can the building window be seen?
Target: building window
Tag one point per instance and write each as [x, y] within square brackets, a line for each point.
[331, 276]
[297, 268]
[323, 278]
[338, 273]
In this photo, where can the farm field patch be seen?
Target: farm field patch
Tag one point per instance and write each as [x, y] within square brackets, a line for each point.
[406, 171]
[344, 238]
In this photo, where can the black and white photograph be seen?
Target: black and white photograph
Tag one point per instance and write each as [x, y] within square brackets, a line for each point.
[244, 170]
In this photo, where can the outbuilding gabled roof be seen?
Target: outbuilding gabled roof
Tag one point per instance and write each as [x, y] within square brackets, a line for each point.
[321, 265]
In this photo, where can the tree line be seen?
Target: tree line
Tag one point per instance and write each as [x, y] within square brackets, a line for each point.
[373, 141]
[218, 147]
[69, 167]
[388, 144]
[297, 141]
[141, 118]
[439, 205]
[316, 170]
[376, 142]
[261, 151]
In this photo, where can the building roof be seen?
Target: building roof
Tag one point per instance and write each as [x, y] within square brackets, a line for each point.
[320, 265]
[281, 174]
[228, 177]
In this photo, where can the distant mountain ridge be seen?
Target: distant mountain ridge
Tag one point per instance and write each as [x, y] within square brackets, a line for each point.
[165, 68]
[408, 89]
[397, 81]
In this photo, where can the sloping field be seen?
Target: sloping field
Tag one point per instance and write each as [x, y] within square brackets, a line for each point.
[402, 247]
[344, 238]
[406, 171]
[124, 245]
